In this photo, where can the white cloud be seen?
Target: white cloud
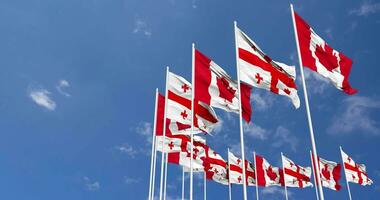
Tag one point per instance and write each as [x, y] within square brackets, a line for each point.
[194, 4]
[142, 28]
[91, 185]
[316, 84]
[218, 127]
[366, 8]
[356, 116]
[129, 180]
[274, 191]
[127, 149]
[256, 131]
[145, 129]
[283, 137]
[62, 84]
[262, 100]
[41, 97]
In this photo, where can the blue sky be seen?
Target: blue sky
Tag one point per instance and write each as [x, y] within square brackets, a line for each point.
[78, 78]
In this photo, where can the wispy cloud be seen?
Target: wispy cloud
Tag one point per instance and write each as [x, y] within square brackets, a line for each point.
[366, 8]
[42, 98]
[283, 137]
[145, 129]
[355, 115]
[316, 84]
[256, 131]
[127, 149]
[275, 191]
[130, 180]
[262, 101]
[62, 85]
[194, 4]
[142, 28]
[91, 185]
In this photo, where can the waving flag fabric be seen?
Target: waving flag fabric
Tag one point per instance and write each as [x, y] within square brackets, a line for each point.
[179, 106]
[258, 70]
[355, 173]
[330, 173]
[318, 56]
[236, 171]
[216, 88]
[267, 175]
[295, 175]
[215, 167]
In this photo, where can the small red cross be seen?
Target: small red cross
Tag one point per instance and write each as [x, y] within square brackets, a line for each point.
[185, 87]
[238, 161]
[259, 78]
[287, 91]
[239, 179]
[216, 171]
[171, 145]
[184, 114]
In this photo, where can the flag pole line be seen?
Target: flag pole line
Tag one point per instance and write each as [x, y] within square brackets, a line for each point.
[315, 180]
[229, 174]
[257, 180]
[183, 184]
[345, 175]
[192, 120]
[152, 160]
[240, 115]
[154, 169]
[204, 183]
[166, 174]
[307, 104]
[164, 135]
[283, 174]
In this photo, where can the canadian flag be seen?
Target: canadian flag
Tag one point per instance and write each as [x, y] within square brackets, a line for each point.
[258, 70]
[318, 56]
[355, 173]
[216, 88]
[295, 175]
[267, 175]
[330, 173]
[236, 171]
[179, 106]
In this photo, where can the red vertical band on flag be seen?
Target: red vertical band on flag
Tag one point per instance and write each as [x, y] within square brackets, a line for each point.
[203, 77]
[160, 114]
[246, 101]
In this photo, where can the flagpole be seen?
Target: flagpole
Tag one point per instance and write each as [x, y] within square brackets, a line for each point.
[204, 183]
[192, 120]
[166, 174]
[153, 147]
[315, 180]
[307, 105]
[283, 174]
[183, 184]
[345, 175]
[240, 114]
[257, 180]
[229, 174]
[154, 169]
[164, 134]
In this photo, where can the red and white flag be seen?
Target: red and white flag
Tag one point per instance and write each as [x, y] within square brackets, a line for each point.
[330, 173]
[216, 88]
[236, 171]
[355, 173]
[267, 175]
[318, 56]
[215, 167]
[295, 175]
[259, 70]
[179, 106]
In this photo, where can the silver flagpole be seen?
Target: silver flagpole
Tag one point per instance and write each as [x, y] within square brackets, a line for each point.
[283, 173]
[240, 114]
[345, 175]
[204, 183]
[164, 135]
[152, 159]
[307, 104]
[229, 175]
[257, 182]
[166, 174]
[192, 120]
[315, 180]
[183, 184]
[154, 169]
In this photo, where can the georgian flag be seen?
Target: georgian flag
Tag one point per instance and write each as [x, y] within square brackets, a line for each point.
[216, 88]
[258, 70]
[355, 173]
[267, 175]
[236, 171]
[215, 167]
[330, 173]
[179, 106]
[295, 175]
[318, 56]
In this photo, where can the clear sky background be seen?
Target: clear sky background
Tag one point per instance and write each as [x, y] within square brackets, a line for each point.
[77, 82]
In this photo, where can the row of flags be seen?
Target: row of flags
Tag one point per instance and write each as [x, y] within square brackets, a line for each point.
[187, 109]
